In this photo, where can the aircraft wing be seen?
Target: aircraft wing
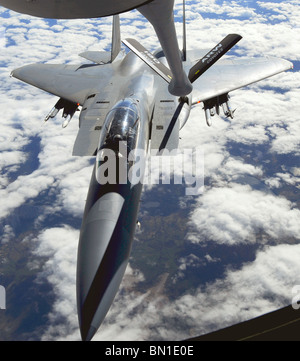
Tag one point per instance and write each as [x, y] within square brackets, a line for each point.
[79, 85]
[231, 74]
[71, 82]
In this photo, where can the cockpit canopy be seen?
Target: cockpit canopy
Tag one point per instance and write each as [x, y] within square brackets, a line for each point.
[121, 124]
[118, 138]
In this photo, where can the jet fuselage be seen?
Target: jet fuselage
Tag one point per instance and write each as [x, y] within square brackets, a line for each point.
[112, 205]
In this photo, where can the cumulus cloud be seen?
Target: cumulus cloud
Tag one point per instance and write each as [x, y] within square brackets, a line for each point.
[239, 296]
[8, 234]
[259, 287]
[60, 271]
[238, 214]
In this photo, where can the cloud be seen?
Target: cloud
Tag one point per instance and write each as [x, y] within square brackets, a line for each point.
[237, 214]
[8, 234]
[239, 296]
[260, 37]
[60, 271]
[249, 296]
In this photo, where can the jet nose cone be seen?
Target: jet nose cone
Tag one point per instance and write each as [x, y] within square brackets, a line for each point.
[99, 300]
[103, 254]
[87, 333]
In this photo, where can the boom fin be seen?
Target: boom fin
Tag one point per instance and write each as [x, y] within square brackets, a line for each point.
[213, 56]
[149, 59]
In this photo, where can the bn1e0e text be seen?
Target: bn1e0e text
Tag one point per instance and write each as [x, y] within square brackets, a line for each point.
[152, 350]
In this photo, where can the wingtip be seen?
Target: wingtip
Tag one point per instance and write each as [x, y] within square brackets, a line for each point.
[285, 64]
[291, 65]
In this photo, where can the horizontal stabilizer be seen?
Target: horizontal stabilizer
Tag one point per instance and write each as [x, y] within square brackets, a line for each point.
[98, 57]
[149, 59]
[105, 57]
[213, 56]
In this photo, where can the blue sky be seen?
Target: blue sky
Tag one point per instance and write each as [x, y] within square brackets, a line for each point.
[228, 213]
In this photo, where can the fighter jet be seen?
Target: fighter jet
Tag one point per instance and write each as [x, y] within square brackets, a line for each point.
[125, 103]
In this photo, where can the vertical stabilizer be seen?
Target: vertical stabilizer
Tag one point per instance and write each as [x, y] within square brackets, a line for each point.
[116, 38]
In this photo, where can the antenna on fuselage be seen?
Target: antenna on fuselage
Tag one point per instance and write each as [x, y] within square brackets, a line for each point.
[184, 33]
